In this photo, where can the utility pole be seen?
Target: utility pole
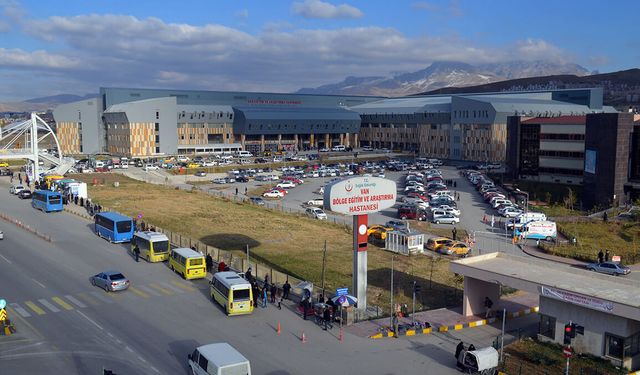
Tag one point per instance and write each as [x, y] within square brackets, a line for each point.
[249, 264]
[504, 318]
[413, 308]
[324, 261]
[391, 308]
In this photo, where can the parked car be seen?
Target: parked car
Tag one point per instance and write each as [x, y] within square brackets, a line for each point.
[286, 184]
[150, 167]
[1, 235]
[316, 202]
[257, 200]
[378, 232]
[455, 248]
[367, 148]
[436, 243]
[25, 194]
[324, 149]
[16, 189]
[316, 213]
[273, 194]
[219, 180]
[201, 174]
[409, 212]
[110, 281]
[610, 268]
[396, 224]
[446, 219]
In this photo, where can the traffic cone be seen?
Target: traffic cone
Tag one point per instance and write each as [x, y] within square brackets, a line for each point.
[278, 331]
[304, 338]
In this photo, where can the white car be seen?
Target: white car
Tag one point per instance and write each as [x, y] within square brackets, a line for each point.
[219, 181]
[367, 148]
[510, 212]
[286, 185]
[150, 167]
[316, 202]
[450, 210]
[316, 213]
[16, 189]
[1, 235]
[273, 194]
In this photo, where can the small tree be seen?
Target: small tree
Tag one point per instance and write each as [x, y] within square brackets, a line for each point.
[571, 199]
[547, 197]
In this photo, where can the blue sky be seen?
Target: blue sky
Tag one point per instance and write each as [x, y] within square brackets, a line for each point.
[74, 46]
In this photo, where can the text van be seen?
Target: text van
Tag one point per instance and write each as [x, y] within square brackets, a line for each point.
[538, 230]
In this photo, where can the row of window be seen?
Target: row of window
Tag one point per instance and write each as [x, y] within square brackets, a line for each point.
[562, 137]
[295, 126]
[206, 115]
[473, 114]
[561, 154]
[562, 171]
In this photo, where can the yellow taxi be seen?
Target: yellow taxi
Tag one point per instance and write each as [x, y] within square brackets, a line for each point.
[3, 164]
[192, 165]
[456, 248]
[435, 243]
[378, 232]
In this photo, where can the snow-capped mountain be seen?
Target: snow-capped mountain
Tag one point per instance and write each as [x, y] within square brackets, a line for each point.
[444, 74]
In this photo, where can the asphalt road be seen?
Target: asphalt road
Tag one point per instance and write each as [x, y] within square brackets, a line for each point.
[67, 326]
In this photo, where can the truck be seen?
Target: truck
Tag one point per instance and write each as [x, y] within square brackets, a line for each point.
[538, 230]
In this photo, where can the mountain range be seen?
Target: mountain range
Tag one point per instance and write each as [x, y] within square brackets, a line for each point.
[442, 74]
[43, 103]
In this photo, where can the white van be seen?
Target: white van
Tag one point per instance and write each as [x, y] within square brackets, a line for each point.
[245, 154]
[338, 148]
[530, 216]
[218, 359]
[538, 230]
[440, 193]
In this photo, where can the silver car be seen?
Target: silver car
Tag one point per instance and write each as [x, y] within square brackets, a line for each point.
[110, 281]
[446, 219]
[609, 268]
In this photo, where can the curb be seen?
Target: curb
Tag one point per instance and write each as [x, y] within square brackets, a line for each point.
[456, 327]
[22, 225]
[559, 259]
[84, 216]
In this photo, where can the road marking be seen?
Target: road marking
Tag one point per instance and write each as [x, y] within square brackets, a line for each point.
[155, 369]
[185, 287]
[34, 307]
[171, 287]
[101, 297]
[62, 303]
[75, 301]
[149, 290]
[139, 292]
[89, 319]
[6, 260]
[20, 310]
[39, 283]
[142, 359]
[161, 289]
[129, 349]
[49, 306]
[88, 299]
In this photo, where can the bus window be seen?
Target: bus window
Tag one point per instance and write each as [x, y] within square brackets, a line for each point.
[240, 294]
[124, 226]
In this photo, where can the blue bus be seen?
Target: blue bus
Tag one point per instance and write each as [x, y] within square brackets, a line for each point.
[47, 201]
[114, 227]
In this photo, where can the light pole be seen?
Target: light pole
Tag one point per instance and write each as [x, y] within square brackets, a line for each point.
[391, 308]
[526, 209]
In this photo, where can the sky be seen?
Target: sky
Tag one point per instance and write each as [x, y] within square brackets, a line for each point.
[50, 47]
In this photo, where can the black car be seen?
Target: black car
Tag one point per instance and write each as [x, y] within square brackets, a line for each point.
[24, 194]
[257, 200]
[242, 178]
[261, 160]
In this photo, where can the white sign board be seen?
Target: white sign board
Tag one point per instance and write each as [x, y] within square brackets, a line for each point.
[360, 195]
[577, 299]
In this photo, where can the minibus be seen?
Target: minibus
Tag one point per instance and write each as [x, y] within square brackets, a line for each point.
[153, 246]
[114, 227]
[188, 263]
[232, 292]
[47, 201]
[218, 359]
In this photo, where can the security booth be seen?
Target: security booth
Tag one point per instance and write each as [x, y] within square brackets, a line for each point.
[404, 242]
[594, 313]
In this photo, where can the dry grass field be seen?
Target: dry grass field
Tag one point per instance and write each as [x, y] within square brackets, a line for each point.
[288, 242]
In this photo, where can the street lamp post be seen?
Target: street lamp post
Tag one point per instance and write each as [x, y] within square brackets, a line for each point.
[391, 308]
[526, 209]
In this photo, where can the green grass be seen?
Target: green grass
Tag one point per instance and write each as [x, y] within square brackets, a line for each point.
[556, 210]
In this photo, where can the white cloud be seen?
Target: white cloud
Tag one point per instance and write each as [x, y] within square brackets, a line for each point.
[17, 58]
[538, 49]
[321, 9]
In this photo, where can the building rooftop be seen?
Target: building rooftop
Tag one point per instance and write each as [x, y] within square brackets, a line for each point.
[563, 120]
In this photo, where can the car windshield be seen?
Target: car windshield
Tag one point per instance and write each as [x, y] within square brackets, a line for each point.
[117, 276]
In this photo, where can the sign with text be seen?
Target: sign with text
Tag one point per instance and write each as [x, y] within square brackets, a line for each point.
[577, 299]
[342, 291]
[360, 195]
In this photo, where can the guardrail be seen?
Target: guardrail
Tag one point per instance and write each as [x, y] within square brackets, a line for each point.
[24, 226]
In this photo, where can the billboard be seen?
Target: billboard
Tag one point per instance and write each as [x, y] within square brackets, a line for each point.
[360, 195]
[590, 161]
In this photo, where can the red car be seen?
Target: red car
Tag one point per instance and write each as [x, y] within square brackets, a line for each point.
[411, 213]
[417, 194]
[283, 190]
[292, 179]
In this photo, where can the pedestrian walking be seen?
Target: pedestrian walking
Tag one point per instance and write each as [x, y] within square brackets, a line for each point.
[394, 322]
[222, 265]
[20, 178]
[285, 289]
[600, 256]
[75, 199]
[605, 217]
[455, 184]
[248, 275]
[264, 296]
[12, 178]
[454, 233]
[326, 317]
[488, 303]
[136, 253]
[274, 292]
[245, 190]
[320, 298]
[208, 262]
[256, 293]
[236, 191]
[606, 256]
[266, 279]
[459, 349]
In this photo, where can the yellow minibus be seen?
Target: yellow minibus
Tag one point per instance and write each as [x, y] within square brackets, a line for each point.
[232, 292]
[153, 246]
[188, 263]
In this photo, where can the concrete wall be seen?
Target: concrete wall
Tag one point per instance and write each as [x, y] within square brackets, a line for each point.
[475, 291]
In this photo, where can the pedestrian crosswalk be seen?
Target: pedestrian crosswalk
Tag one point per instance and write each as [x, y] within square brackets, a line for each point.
[57, 304]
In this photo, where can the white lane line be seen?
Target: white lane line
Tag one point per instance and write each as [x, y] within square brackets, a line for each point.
[171, 287]
[39, 283]
[49, 306]
[142, 359]
[146, 289]
[20, 310]
[75, 301]
[101, 297]
[129, 349]
[155, 369]
[89, 319]
[6, 260]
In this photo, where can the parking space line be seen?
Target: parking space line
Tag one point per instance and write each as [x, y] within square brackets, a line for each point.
[149, 290]
[88, 299]
[75, 301]
[185, 287]
[100, 297]
[24, 313]
[138, 292]
[36, 309]
[62, 303]
[171, 287]
[161, 289]
[48, 305]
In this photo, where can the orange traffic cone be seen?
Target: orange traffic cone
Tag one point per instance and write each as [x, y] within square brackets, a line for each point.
[304, 338]
[278, 331]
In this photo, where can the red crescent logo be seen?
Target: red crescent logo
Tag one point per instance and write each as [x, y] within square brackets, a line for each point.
[348, 187]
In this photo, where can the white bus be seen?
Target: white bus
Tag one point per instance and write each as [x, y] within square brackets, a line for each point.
[232, 292]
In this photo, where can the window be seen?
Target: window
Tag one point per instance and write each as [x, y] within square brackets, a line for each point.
[157, 115]
[203, 362]
[613, 346]
[547, 326]
[124, 226]
[157, 126]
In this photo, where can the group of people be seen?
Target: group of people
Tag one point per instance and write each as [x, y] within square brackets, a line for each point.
[325, 309]
[460, 351]
[603, 257]
[269, 292]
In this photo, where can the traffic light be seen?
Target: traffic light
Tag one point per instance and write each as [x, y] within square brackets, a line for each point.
[416, 287]
[569, 333]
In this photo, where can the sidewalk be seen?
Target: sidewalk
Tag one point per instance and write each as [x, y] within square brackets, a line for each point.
[451, 318]
[537, 253]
